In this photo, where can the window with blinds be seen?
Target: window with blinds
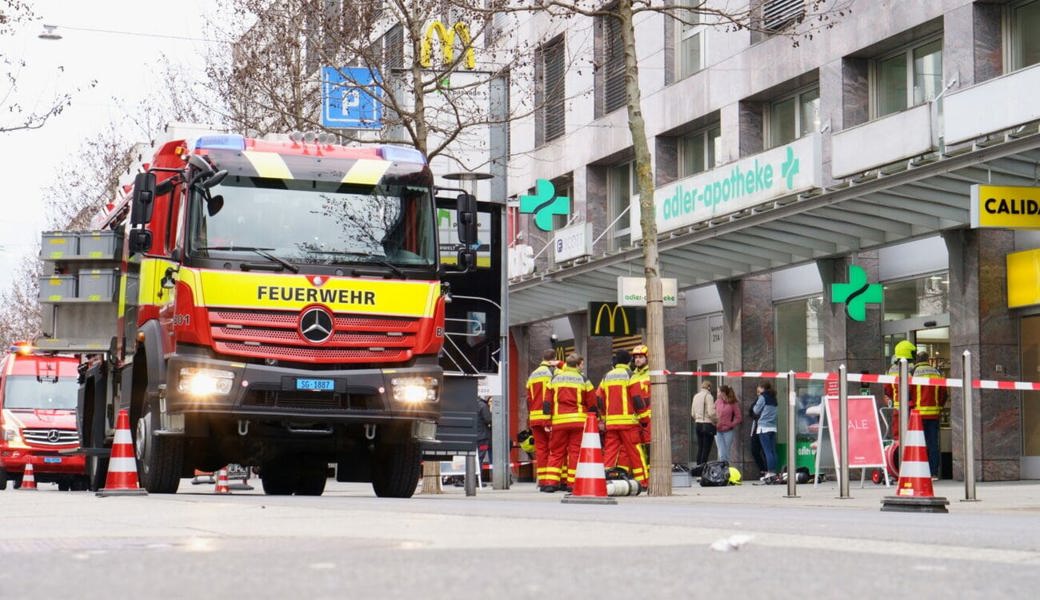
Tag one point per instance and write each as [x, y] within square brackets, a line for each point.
[778, 14]
[613, 65]
[554, 67]
[393, 48]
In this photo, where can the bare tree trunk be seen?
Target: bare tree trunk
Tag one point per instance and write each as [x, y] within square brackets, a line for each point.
[661, 444]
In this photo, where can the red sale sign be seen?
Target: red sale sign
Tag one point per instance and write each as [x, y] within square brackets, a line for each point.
[864, 431]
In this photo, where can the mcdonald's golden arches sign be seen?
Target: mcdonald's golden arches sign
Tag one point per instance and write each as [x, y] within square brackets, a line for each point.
[447, 39]
[612, 320]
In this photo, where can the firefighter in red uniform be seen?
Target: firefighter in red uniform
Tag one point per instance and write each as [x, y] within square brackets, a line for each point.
[639, 391]
[929, 401]
[537, 420]
[618, 412]
[570, 398]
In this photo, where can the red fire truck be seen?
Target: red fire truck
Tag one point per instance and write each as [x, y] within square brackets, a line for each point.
[271, 303]
[38, 418]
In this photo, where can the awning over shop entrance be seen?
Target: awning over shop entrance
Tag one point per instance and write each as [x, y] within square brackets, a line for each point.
[904, 201]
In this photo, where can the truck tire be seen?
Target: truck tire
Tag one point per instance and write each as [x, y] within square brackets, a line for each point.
[278, 478]
[97, 472]
[312, 478]
[396, 468]
[159, 458]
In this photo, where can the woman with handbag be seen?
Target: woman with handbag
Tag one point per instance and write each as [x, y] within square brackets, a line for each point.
[702, 409]
[727, 410]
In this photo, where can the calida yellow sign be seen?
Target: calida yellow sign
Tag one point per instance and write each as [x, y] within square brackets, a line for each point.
[1006, 207]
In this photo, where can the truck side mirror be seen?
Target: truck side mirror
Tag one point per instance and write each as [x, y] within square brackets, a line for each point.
[143, 199]
[140, 240]
[466, 209]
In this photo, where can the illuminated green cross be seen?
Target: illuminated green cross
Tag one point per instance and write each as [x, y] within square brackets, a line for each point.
[856, 294]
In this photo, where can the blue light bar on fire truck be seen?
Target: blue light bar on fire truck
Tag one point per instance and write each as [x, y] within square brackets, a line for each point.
[220, 142]
[402, 154]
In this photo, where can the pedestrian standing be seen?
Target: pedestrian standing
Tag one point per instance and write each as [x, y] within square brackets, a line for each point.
[537, 420]
[619, 415]
[765, 411]
[727, 409]
[570, 400]
[702, 411]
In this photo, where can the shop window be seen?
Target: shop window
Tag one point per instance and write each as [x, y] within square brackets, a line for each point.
[908, 77]
[621, 186]
[1025, 43]
[690, 42]
[793, 116]
[698, 151]
[799, 347]
[919, 297]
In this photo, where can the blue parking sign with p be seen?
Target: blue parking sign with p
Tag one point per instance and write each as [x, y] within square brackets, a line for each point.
[351, 98]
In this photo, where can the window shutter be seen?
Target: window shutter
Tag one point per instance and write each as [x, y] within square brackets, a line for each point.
[776, 14]
[394, 48]
[555, 96]
[614, 65]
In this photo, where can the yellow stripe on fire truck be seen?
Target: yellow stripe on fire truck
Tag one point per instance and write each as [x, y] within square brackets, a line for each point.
[366, 171]
[293, 292]
[268, 164]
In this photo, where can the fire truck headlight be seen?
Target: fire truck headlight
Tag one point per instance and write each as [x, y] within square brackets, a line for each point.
[11, 434]
[205, 382]
[415, 390]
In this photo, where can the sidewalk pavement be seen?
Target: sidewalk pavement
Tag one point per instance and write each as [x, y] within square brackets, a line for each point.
[991, 497]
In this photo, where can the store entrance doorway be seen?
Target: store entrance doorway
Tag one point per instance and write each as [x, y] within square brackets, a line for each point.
[1030, 345]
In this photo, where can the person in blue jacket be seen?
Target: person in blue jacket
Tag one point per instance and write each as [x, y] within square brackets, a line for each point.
[765, 411]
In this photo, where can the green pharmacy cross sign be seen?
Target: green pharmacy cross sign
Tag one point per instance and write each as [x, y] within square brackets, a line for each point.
[856, 294]
[544, 204]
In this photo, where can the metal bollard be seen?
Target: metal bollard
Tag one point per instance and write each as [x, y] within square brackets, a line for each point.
[843, 432]
[969, 429]
[792, 456]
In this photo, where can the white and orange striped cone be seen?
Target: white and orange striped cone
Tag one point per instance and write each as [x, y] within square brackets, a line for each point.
[122, 467]
[28, 478]
[590, 480]
[222, 483]
[914, 491]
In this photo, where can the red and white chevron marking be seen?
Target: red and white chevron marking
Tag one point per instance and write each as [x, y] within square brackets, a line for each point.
[984, 384]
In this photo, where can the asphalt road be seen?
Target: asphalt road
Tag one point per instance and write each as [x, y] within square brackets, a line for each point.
[736, 542]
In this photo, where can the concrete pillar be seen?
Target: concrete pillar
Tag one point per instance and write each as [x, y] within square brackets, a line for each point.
[747, 308]
[981, 322]
[675, 359]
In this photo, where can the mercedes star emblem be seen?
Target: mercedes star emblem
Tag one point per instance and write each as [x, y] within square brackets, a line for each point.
[53, 436]
[316, 325]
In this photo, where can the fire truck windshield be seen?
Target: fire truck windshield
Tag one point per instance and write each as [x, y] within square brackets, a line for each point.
[28, 392]
[315, 222]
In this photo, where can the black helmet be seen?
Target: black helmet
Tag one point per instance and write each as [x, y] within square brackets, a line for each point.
[622, 357]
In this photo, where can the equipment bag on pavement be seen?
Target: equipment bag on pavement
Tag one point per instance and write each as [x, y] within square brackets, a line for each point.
[715, 473]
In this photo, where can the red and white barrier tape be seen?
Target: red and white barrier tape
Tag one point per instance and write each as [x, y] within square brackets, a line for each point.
[985, 384]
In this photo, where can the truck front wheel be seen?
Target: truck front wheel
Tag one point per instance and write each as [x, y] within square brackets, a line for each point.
[395, 469]
[159, 458]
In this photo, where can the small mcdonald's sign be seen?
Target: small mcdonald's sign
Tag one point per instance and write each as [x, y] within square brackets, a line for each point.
[608, 319]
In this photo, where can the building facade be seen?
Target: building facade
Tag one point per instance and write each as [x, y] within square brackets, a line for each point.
[781, 160]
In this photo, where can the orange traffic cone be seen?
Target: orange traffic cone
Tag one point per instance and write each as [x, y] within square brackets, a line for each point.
[590, 480]
[28, 479]
[914, 491]
[122, 467]
[222, 483]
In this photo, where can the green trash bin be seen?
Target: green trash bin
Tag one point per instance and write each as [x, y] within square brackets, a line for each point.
[805, 456]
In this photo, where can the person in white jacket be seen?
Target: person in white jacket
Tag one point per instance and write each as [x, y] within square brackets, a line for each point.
[702, 410]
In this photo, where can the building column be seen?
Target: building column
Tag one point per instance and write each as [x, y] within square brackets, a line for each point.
[857, 345]
[748, 345]
[981, 322]
[675, 359]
